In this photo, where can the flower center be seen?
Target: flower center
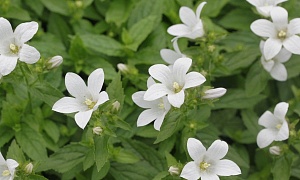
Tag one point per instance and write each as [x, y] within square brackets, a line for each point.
[89, 103]
[278, 126]
[5, 173]
[161, 105]
[177, 87]
[204, 165]
[281, 34]
[13, 48]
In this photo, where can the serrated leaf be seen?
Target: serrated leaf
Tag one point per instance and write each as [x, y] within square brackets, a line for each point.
[57, 6]
[16, 12]
[102, 173]
[52, 130]
[89, 159]
[115, 90]
[101, 151]
[282, 168]
[34, 177]
[14, 152]
[10, 116]
[118, 11]
[122, 124]
[6, 134]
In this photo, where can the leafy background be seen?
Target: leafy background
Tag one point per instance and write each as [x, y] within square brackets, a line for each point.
[92, 34]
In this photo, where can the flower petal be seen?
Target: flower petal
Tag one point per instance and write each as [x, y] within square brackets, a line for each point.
[283, 55]
[226, 167]
[268, 65]
[217, 150]
[159, 120]
[169, 56]
[190, 171]
[254, 2]
[196, 149]
[283, 133]
[179, 30]
[2, 160]
[156, 91]
[187, 16]
[279, 72]
[12, 164]
[265, 137]
[76, 86]
[180, 68]
[161, 72]
[265, 10]
[176, 99]
[199, 9]
[68, 105]
[279, 17]
[5, 29]
[7, 64]
[138, 99]
[95, 81]
[292, 44]
[25, 31]
[272, 48]
[150, 82]
[82, 118]
[267, 120]
[29, 54]
[263, 28]
[102, 98]
[146, 117]
[214, 93]
[281, 109]
[209, 176]
[294, 26]
[193, 79]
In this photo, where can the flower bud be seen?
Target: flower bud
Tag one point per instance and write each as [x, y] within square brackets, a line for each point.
[275, 150]
[97, 130]
[214, 93]
[28, 168]
[123, 68]
[55, 62]
[174, 171]
[79, 3]
[116, 106]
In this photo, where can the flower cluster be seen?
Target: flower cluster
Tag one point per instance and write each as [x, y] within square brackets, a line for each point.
[7, 168]
[280, 37]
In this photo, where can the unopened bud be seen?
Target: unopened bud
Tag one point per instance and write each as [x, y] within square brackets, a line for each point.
[275, 150]
[79, 4]
[55, 62]
[214, 93]
[123, 68]
[28, 168]
[97, 130]
[116, 106]
[174, 171]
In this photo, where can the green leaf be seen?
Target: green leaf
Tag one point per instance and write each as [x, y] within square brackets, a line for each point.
[115, 90]
[213, 7]
[52, 130]
[146, 56]
[57, 6]
[36, 6]
[118, 11]
[293, 66]
[102, 173]
[57, 25]
[6, 134]
[103, 44]
[125, 156]
[122, 124]
[169, 127]
[34, 177]
[250, 120]
[282, 168]
[89, 159]
[16, 12]
[101, 151]
[91, 62]
[14, 152]
[32, 143]
[10, 116]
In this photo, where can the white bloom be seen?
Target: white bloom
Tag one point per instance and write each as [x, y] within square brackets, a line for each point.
[87, 98]
[264, 7]
[156, 110]
[207, 164]
[55, 62]
[275, 150]
[7, 168]
[171, 56]
[278, 33]
[173, 81]
[13, 47]
[123, 68]
[192, 26]
[173, 170]
[214, 93]
[274, 66]
[276, 127]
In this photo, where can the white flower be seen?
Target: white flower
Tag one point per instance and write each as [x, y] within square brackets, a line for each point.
[192, 26]
[214, 93]
[13, 47]
[274, 66]
[7, 168]
[171, 56]
[264, 7]
[276, 127]
[278, 33]
[173, 81]
[87, 98]
[55, 62]
[156, 110]
[207, 164]
[275, 150]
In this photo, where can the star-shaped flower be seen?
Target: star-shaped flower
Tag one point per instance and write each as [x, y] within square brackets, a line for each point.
[274, 66]
[156, 110]
[276, 127]
[13, 47]
[264, 7]
[173, 80]
[207, 164]
[7, 168]
[170, 56]
[278, 33]
[87, 98]
[192, 26]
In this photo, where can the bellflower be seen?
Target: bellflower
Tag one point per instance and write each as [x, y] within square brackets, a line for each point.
[156, 110]
[13, 47]
[274, 66]
[173, 81]
[87, 98]
[170, 56]
[214, 93]
[264, 7]
[207, 164]
[7, 168]
[276, 127]
[278, 33]
[192, 26]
